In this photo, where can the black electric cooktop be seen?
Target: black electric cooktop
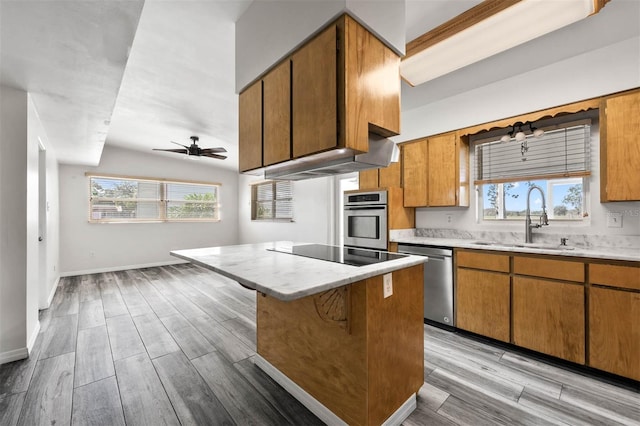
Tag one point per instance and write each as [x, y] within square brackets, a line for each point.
[345, 255]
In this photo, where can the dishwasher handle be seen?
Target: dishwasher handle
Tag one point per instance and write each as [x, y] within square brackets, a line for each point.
[432, 252]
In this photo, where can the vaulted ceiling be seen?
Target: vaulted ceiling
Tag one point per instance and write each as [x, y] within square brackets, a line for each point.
[141, 74]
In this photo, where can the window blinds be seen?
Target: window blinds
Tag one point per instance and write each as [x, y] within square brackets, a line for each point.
[558, 153]
[273, 200]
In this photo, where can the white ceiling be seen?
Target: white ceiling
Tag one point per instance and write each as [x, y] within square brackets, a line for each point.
[178, 77]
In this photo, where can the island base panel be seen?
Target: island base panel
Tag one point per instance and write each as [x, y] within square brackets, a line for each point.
[363, 366]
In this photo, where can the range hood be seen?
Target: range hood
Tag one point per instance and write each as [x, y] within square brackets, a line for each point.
[382, 152]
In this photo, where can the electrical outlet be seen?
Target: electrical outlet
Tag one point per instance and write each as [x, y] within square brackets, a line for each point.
[614, 220]
[387, 282]
[449, 218]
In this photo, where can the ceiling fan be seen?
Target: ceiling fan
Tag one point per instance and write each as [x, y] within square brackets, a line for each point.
[195, 150]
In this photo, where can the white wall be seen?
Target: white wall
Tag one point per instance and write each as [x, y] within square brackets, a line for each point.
[600, 72]
[18, 228]
[312, 210]
[268, 31]
[88, 247]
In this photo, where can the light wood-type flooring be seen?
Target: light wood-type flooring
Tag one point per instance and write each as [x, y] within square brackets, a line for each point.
[175, 344]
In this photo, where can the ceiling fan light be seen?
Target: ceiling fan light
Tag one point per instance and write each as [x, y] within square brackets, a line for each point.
[505, 139]
[538, 133]
[520, 136]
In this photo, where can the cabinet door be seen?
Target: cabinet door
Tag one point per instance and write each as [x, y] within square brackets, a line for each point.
[619, 148]
[314, 82]
[368, 179]
[614, 331]
[414, 167]
[442, 170]
[482, 303]
[548, 317]
[277, 114]
[250, 131]
[390, 176]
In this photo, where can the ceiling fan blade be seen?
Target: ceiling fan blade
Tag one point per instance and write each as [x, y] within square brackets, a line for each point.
[210, 155]
[210, 150]
[179, 144]
[180, 151]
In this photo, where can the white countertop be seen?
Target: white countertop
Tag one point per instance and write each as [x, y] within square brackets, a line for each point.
[282, 275]
[629, 254]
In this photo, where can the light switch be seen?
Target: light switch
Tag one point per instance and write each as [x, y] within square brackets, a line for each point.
[387, 284]
[614, 220]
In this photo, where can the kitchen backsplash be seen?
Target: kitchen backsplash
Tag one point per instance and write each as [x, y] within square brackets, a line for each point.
[577, 240]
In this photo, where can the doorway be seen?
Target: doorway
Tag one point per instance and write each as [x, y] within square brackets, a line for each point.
[346, 182]
[43, 294]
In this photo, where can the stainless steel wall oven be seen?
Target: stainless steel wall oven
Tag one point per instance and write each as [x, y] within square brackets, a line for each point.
[365, 220]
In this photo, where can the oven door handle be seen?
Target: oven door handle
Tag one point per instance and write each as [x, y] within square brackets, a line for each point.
[366, 208]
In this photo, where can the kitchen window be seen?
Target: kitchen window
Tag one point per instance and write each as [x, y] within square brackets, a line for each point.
[272, 200]
[114, 199]
[558, 162]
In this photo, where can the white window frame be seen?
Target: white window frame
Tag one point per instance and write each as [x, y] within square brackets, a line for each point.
[274, 200]
[161, 201]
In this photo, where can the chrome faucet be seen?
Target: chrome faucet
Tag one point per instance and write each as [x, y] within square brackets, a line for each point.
[544, 220]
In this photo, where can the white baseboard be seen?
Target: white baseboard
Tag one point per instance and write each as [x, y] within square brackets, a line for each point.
[401, 414]
[317, 408]
[14, 355]
[120, 268]
[298, 393]
[33, 337]
[51, 294]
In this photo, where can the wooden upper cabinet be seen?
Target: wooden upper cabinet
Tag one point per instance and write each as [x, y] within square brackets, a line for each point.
[435, 171]
[414, 171]
[619, 147]
[441, 169]
[277, 117]
[250, 129]
[314, 88]
[330, 93]
[368, 179]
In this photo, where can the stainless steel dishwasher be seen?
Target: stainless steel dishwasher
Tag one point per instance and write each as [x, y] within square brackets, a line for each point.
[439, 308]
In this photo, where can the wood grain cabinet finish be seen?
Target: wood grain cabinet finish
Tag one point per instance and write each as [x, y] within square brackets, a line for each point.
[614, 331]
[483, 303]
[333, 95]
[435, 171]
[315, 116]
[549, 268]
[548, 317]
[489, 261]
[619, 147]
[621, 276]
[361, 372]
[384, 177]
[250, 128]
[277, 117]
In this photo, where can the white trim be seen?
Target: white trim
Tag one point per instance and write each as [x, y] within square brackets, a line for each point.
[317, 408]
[120, 268]
[32, 340]
[14, 355]
[52, 293]
[401, 414]
[298, 393]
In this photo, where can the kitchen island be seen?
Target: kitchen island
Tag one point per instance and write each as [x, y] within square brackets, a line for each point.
[327, 333]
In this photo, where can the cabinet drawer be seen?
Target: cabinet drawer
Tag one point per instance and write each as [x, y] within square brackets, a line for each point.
[615, 275]
[549, 268]
[482, 260]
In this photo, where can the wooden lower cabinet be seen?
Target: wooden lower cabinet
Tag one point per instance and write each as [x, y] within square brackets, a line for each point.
[548, 317]
[482, 303]
[614, 331]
